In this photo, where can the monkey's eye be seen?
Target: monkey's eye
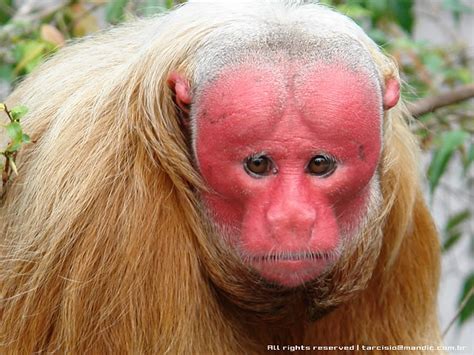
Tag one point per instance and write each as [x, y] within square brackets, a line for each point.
[259, 165]
[321, 165]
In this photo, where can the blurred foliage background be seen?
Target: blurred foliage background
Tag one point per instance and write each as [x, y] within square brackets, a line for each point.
[33, 30]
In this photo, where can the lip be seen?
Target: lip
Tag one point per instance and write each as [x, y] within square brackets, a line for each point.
[292, 256]
[291, 270]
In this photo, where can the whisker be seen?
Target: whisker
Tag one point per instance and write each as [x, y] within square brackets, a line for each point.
[292, 256]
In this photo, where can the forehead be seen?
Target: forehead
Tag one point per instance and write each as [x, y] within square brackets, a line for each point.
[330, 100]
[292, 40]
[285, 77]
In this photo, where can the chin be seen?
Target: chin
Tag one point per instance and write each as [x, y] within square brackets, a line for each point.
[290, 273]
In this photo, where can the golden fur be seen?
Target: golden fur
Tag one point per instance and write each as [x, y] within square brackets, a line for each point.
[103, 247]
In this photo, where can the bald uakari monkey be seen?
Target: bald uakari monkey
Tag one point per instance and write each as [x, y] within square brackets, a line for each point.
[212, 181]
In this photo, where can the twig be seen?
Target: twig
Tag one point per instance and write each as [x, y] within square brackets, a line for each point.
[429, 104]
[7, 112]
[458, 312]
[9, 159]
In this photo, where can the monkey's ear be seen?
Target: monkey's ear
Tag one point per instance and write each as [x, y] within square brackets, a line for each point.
[391, 94]
[182, 94]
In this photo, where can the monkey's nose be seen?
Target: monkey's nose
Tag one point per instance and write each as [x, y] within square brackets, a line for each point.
[295, 222]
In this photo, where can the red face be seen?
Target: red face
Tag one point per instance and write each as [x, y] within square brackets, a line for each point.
[288, 152]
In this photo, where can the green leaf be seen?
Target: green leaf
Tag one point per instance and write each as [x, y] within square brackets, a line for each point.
[18, 112]
[33, 63]
[469, 158]
[115, 11]
[354, 11]
[152, 7]
[29, 54]
[403, 11]
[13, 147]
[471, 245]
[327, 2]
[14, 131]
[450, 141]
[451, 241]
[377, 6]
[462, 75]
[468, 310]
[433, 61]
[451, 228]
[457, 219]
[5, 6]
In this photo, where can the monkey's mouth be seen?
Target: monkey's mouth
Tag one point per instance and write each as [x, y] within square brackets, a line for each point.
[305, 256]
[292, 269]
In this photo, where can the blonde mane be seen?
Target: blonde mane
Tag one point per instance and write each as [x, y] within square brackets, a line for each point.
[102, 242]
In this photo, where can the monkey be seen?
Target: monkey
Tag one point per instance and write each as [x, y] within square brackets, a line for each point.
[217, 180]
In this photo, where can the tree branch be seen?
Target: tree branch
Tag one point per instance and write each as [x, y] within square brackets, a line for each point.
[459, 310]
[429, 104]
